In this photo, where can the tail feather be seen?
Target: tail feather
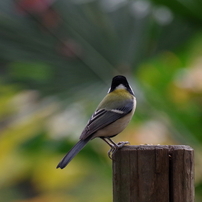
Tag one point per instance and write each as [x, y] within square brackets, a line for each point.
[73, 152]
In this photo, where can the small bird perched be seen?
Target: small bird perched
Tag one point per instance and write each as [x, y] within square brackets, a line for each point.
[110, 118]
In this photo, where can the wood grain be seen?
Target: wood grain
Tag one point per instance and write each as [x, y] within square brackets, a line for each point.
[153, 173]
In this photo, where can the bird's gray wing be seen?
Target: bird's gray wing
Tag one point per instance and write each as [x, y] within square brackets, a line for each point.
[103, 117]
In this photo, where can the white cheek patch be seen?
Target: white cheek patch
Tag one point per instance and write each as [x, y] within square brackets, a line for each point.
[120, 86]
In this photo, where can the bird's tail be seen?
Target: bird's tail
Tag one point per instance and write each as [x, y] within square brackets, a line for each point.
[73, 152]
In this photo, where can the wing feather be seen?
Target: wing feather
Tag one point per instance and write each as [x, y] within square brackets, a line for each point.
[103, 117]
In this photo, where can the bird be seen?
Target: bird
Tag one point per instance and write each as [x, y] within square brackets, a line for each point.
[109, 119]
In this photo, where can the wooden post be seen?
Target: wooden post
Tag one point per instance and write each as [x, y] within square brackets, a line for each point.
[153, 173]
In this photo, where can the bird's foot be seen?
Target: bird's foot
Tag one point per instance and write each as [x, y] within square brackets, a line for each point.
[111, 151]
[121, 144]
[115, 147]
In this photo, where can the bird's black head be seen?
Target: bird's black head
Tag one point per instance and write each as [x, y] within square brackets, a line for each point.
[120, 82]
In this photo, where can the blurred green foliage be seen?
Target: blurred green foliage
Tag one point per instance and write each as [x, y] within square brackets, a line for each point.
[57, 60]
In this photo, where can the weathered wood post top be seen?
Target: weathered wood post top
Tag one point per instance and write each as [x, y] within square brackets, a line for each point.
[153, 173]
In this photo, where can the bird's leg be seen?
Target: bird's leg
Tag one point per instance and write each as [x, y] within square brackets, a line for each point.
[119, 144]
[113, 145]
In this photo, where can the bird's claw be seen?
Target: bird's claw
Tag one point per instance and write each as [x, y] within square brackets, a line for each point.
[115, 147]
[111, 151]
[121, 144]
